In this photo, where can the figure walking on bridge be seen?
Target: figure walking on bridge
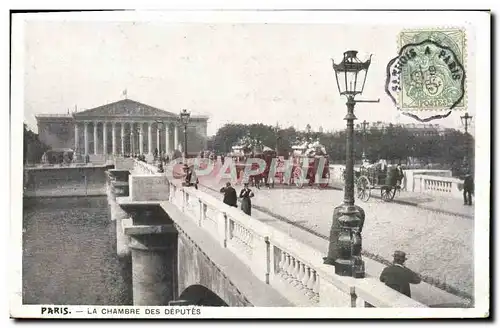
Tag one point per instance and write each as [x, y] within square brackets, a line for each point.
[399, 277]
[230, 197]
[468, 188]
[245, 195]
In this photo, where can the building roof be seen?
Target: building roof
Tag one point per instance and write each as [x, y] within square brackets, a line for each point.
[125, 107]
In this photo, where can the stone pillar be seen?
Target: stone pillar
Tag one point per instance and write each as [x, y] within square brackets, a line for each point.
[158, 139]
[153, 244]
[167, 139]
[141, 138]
[86, 136]
[95, 138]
[123, 137]
[176, 137]
[150, 138]
[132, 143]
[76, 137]
[113, 137]
[105, 138]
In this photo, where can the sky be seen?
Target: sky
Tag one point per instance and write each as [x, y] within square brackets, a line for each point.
[241, 73]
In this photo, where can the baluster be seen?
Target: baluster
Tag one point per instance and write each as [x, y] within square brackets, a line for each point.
[293, 271]
[304, 277]
[316, 287]
[300, 275]
[286, 264]
[296, 275]
[281, 263]
[310, 282]
[289, 269]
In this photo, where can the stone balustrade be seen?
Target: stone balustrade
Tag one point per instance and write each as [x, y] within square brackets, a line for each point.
[142, 168]
[440, 186]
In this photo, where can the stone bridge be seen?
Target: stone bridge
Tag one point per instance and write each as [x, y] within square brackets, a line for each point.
[188, 248]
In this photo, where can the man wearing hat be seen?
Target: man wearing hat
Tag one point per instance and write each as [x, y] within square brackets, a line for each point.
[230, 196]
[399, 277]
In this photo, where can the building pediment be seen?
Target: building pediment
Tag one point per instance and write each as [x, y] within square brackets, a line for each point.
[124, 108]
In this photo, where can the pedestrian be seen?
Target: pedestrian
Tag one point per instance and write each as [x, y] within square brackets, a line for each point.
[468, 188]
[245, 195]
[399, 277]
[400, 175]
[230, 197]
[194, 177]
[190, 178]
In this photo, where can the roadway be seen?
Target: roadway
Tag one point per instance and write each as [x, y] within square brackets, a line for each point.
[439, 246]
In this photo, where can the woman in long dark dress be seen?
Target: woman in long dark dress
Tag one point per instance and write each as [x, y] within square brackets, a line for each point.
[246, 203]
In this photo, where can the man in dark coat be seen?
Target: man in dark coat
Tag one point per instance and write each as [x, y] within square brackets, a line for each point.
[468, 188]
[230, 196]
[399, 277]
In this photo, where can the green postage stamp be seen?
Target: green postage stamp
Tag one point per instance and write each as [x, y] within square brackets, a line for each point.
[429, 71]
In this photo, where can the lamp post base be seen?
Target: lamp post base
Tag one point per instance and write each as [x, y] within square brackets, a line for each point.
[343, 267]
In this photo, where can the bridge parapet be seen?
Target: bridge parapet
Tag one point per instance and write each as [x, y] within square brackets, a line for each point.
[438, 185]
[294, 269]
[143, 168]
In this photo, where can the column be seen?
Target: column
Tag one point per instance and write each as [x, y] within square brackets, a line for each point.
[105, 138]
[141, 138]
[123, 137]
[158, 139]
[95, 138]
[86, 136]
[150, 138]
[132, 144]
[176, 137]
[153, 245]
[167, 138]
[76, 137]
[113, 137]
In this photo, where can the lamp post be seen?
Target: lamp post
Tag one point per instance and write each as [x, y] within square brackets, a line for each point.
[184, 116]
[159, 127]
[465, 121]
[277, 131]
[344, 251]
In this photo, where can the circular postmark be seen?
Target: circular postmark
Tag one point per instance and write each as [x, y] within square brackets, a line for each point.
[425, 76]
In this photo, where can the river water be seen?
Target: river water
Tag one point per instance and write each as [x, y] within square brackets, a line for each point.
[69, 253]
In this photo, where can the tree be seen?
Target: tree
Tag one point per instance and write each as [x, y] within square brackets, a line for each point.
[33, 148]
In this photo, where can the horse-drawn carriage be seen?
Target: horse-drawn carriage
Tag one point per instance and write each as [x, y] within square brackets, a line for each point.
[377, 176]
[314, 154]
[306, 159]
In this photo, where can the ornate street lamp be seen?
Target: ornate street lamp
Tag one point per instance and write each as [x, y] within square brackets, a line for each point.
[465, 121]
[344, 251]
[277, 132]
[184, 117]
[159, 127]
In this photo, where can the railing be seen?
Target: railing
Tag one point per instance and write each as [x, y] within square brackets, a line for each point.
[143, 168]
[295, 269]
[442, 186]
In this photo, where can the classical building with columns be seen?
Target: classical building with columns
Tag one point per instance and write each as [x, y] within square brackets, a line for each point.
[120, 128]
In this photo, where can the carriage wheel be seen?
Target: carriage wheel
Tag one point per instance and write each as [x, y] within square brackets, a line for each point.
[363, 188]
[297, 177]
[387, 193]
[325, 184]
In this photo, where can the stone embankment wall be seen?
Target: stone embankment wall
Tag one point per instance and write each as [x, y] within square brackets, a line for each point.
[65, 181]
